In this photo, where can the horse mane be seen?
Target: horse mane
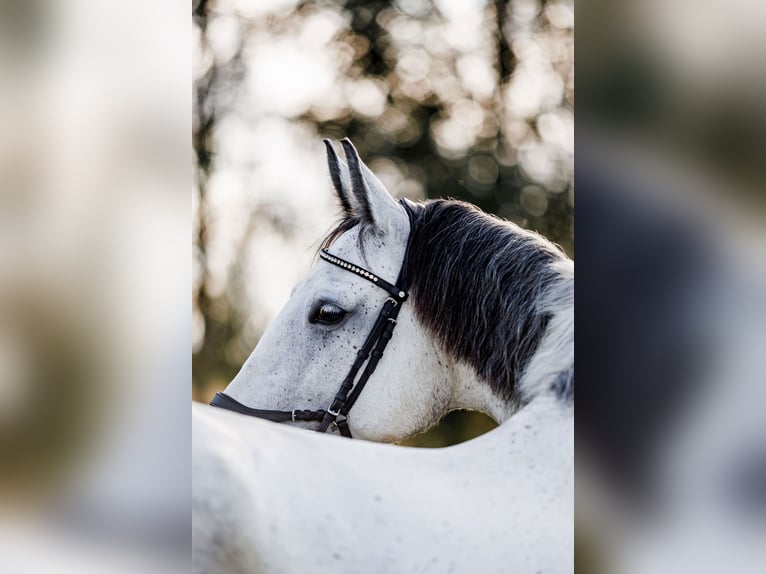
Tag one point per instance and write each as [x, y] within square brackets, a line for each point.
[485, 288]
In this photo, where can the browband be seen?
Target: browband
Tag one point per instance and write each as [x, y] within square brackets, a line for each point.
[395, 292]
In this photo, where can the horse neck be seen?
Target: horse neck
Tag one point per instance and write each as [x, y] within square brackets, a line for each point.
[494, 297]
[545, 418]
[535, 445]
[549, 371]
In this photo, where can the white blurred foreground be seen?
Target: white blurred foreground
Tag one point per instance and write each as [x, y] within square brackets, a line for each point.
[671, 437]
[671, 313]
[94, 223]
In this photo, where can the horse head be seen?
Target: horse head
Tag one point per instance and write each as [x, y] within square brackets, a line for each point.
[478, 313]
[309, 349]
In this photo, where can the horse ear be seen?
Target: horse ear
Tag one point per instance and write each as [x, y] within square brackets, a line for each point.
[340, 178]
[375, 205]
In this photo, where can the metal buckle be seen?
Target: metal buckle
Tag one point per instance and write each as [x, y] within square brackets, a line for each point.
[394, 301]
[293, 415]
[340, 419]
[335, 414]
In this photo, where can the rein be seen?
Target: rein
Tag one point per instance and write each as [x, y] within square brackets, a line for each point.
[370, 353]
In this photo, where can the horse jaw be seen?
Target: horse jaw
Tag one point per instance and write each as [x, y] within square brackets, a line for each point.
[471, 392]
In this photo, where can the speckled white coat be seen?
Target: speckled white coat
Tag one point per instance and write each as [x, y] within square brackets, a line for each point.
[270, 498]
[275, 499]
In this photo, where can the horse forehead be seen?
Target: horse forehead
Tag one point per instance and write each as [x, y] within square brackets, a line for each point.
[383, 253]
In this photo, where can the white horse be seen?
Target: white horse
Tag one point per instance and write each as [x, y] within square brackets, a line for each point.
[268, 498]
[487, 325]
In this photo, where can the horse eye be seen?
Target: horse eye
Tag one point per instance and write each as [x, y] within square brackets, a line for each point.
[328, 314]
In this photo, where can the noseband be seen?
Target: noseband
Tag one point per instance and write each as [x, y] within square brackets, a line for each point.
[370, 353]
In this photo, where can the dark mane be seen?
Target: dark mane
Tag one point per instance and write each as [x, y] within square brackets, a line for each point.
[476, 283]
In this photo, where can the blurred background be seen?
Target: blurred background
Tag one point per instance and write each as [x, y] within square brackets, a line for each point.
[671, 317]
[95, 109]
[454, 98]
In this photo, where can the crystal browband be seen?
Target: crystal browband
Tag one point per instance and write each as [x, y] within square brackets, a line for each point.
[396, 293]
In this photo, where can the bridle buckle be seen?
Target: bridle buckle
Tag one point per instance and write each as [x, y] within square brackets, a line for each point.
[340, 419]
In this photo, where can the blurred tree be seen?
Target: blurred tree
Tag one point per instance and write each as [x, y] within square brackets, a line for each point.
[443, 99]
[220, 320]
[486, 173]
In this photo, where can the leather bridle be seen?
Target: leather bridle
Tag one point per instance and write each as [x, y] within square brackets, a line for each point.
[370, 353]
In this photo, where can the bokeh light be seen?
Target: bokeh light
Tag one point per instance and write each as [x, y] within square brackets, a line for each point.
[464, 99]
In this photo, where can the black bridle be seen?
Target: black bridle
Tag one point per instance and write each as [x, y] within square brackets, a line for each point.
[370, 353]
